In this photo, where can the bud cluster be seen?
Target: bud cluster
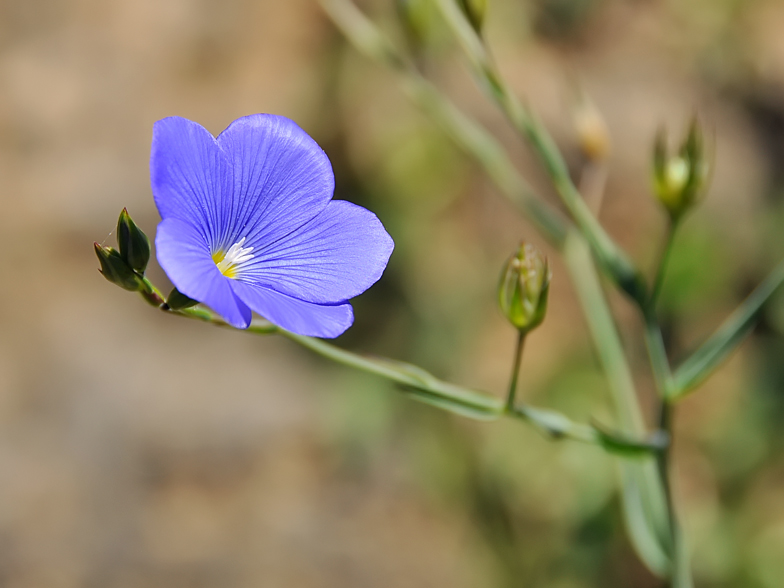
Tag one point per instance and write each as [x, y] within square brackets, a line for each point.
[522, 292]
[125, 267]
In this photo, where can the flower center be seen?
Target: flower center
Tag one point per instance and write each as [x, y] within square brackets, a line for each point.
[230, 262]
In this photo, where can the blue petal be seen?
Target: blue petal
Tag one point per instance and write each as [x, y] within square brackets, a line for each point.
[294, 315]
[336, 256]
[281, 177]
[191, 177]
[184, 255]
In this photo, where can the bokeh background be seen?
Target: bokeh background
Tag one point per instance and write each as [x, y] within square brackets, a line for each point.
[141, 450]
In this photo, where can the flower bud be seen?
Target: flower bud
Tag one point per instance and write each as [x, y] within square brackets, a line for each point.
[177, 300]
[475, 12]
[592, 135]
[678, 180]
[134, 244]
[116, 270]
[522, 292]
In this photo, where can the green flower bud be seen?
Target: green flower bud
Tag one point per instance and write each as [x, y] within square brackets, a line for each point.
[134, 244]
[177, 300]
[116, 270]
[522, 292]
[679, 180]
[475, 12]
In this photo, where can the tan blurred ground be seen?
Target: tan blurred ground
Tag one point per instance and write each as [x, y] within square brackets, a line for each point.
[138, 450]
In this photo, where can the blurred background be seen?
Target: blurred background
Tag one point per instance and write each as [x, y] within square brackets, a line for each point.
[138, 449]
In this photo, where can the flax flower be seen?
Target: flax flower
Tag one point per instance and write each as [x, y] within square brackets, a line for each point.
[249, 224]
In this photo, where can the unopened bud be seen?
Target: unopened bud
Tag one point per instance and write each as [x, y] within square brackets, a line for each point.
[679, 180]
[475, 12]
[116, 270]
[592, 134]
[522, 292]
[177, 300]
[134, 244]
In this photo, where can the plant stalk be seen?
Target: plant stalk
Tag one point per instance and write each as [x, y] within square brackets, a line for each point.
[518, 358]
[661, 267]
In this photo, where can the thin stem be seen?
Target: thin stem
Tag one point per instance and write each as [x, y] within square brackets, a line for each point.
[681, 574]
[611, 257]
[663, 458]
[518, 358]
[488, 152]
[592, 183]
[607, 341]
[467, 133]
[455, 398]
[151, 294]
[657, 353]
[648, 525]
[658, 281]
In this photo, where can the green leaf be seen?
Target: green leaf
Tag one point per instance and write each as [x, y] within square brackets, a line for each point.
[550, 422]
[453, 405]
[625, 446]
[638, 523]
[705, 360]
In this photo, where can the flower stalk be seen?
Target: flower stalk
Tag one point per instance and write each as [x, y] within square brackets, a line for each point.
[518, 358]
[427, 388]
[664, 257]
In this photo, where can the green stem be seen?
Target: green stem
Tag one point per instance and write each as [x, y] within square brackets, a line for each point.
[658, 281]
[468, 134]
[455, 398]
[151, 294]
[663, 459]
[657, 353]
[646, 512]
[518, 357]
[680, 576]
[611, 257]
[607, 341]
[649, 526]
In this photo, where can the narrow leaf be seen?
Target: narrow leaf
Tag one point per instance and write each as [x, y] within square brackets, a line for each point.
[705, 360]
[453, 405]
[638, 524]
[625, 446]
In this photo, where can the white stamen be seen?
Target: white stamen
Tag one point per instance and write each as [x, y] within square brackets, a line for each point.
[235, 256]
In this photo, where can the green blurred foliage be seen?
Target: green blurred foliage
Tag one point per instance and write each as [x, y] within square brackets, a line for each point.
[543, 513]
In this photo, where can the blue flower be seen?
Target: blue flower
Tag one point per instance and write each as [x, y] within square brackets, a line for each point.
[249, 224]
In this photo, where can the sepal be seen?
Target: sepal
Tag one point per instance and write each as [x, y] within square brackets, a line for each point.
[134, 244]
[116, 270]
[177, 300]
